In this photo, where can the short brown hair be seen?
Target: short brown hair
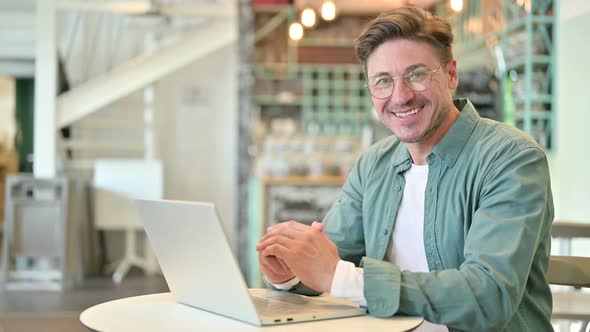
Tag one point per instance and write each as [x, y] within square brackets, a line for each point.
[406, 23]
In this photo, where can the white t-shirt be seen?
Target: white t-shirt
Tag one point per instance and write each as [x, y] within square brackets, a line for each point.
[406, 249]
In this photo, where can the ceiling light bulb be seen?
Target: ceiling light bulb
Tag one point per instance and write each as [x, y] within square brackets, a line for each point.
[295, 31]
[457, 5]
[308, 17]
[328, 10]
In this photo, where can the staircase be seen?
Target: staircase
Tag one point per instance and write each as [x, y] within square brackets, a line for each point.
[121, 130]
[112, 53]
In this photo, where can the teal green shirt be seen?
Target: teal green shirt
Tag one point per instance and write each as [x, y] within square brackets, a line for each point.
[487, 217]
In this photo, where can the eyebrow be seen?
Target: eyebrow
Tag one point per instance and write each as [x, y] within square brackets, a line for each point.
[414, 66]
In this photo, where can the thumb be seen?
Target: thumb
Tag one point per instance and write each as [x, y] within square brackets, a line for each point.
[317, 226]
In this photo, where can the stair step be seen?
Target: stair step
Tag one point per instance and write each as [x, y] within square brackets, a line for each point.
[102, 145]
[109, 123]
[80, 164]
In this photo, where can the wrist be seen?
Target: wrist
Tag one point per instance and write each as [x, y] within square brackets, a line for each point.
[330, 278]
[281, 281]
[287, 285]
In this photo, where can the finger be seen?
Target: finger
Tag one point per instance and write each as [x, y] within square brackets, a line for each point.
[270, 270]
[272, 231]
[278, 239]
[284, 265]
[272, 264]
[277, 250]
[266, 240]
[294, 232]
[317, 226]
[289, 224]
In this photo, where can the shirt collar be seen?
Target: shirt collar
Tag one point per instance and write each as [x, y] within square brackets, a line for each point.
[401, 156]
[450, 146]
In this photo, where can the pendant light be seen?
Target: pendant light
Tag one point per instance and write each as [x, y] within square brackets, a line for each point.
[328, 10]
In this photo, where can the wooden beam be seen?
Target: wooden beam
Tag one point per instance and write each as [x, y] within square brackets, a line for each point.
[273, 23]
[570, 229]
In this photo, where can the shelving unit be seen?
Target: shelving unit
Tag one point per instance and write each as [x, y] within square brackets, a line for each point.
[528, 49]
[481, 87]
[330, 98]
[514, 40]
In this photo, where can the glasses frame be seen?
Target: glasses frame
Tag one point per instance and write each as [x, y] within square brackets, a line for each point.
[430, 72]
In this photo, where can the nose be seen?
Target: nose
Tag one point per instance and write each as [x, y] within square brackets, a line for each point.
[401, 93]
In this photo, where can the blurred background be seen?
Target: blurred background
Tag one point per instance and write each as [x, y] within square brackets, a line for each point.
[259, 106]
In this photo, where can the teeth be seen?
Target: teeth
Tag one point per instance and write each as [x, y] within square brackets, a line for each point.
[403, 115]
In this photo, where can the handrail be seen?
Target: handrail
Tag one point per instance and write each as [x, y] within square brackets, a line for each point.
[569, 271]
[570, 229]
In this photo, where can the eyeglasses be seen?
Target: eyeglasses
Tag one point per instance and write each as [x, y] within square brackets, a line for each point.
[416, 78]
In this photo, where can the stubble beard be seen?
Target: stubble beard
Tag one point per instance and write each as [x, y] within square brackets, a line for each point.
[438, 122]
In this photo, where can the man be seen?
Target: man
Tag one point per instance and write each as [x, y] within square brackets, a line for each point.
[448, 219]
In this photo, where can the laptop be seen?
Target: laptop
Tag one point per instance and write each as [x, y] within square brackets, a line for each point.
[198, 265]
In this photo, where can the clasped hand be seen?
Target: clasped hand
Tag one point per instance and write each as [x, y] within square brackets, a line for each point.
[292, 249]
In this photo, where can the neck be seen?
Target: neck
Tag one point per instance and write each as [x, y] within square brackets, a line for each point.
[420, 150]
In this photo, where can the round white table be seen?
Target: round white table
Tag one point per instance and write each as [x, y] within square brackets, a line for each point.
[160, 312]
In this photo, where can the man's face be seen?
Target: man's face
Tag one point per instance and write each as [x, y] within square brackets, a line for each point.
[412, 116]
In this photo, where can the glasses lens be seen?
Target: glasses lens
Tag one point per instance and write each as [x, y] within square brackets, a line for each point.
[418, 79]
[381, 86]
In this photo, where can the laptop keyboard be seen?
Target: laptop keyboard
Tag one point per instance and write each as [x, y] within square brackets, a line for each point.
[282, 305]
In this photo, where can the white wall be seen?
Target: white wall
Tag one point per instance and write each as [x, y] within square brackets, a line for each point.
[571, 158]
[196, 130]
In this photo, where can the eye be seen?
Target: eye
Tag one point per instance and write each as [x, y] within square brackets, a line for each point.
[381, 82]
[417, 74]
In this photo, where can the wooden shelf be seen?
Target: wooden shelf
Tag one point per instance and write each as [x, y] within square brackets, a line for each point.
[274, 100]
[305, 180]
[269, 9]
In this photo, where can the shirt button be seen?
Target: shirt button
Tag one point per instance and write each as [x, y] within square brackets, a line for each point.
[398, 187]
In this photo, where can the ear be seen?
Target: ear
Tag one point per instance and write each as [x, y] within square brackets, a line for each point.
[452, 74]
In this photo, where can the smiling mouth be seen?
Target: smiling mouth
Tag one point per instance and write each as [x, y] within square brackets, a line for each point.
[408, 113]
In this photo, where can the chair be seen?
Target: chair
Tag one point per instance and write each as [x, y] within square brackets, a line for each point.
[570, 271]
